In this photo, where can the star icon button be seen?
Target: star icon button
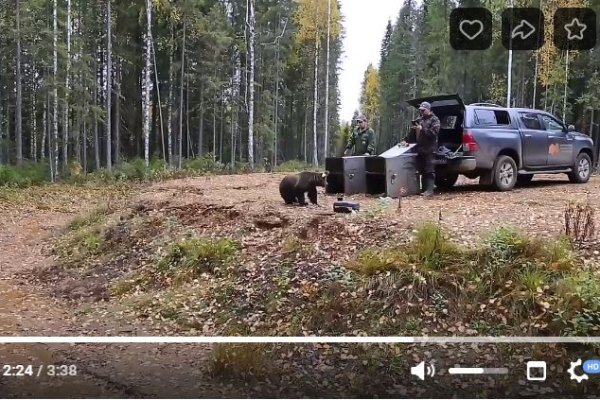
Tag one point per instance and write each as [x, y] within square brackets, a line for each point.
[575, 28]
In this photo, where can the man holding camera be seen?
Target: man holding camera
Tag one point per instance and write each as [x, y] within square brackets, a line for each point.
[362, 139]
[424, 132]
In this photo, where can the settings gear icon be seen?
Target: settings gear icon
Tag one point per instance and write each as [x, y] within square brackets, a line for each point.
[575, 376]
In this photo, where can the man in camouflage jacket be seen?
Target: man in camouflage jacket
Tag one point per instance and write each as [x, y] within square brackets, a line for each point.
[362, 139]
[425, 134]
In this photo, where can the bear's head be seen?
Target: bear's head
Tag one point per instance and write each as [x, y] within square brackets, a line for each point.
[321, 178]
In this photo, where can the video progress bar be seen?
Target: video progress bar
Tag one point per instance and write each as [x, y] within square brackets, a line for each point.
[297, 339]
[478, 371]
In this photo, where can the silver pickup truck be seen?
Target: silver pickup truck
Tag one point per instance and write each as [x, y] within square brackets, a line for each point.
[505, 146]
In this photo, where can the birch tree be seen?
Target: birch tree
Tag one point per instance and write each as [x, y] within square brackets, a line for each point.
[108, 85]
[313, 23]
[251, 22]
[55, 91]
[19, 133]
[67, 90]
[181, 84]
[147, 86]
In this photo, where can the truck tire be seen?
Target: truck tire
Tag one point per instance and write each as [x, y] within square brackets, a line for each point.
[582, 170]
[504, 174]
[445, 181]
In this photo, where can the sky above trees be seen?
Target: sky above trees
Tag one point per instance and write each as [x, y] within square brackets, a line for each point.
[364, 25]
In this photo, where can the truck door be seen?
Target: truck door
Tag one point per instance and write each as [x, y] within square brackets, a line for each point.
[560, 142]
[535, 140]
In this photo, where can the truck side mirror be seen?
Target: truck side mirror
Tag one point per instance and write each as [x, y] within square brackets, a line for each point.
[570, 128]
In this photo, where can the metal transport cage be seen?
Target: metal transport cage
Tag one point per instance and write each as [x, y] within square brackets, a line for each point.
[392, 174]
[346, 174]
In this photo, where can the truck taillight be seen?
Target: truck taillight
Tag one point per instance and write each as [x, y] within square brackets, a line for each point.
[469, 143]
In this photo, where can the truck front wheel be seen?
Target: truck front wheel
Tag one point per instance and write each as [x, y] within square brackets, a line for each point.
[582, 170]
[504, 174]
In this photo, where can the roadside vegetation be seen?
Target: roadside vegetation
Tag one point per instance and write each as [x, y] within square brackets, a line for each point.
[38, 173]
[509, 282]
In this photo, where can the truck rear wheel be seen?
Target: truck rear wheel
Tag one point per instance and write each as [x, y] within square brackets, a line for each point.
[582, 170]
[445, 181]
[504, 173]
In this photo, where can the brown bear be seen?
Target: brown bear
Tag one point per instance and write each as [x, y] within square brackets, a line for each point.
[293, 187]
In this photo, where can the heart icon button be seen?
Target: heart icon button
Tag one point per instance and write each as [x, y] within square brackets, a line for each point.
[471, 28]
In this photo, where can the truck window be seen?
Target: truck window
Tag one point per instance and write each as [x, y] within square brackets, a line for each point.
[531, 121]
[491, 117]
[448, 122]
[551, 124]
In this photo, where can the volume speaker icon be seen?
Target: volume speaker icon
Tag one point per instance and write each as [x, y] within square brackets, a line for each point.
[423, 369]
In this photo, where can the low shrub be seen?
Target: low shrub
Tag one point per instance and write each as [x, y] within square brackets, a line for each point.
[28, 174]
[293, 166]
[241, 361]
[187, 259]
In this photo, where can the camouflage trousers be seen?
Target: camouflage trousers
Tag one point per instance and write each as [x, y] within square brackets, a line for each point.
[425, 163]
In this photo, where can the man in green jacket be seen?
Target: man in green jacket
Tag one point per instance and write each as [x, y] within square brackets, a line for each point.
[362, 139]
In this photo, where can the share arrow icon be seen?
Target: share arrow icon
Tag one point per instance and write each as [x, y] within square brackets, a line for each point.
[524, 29]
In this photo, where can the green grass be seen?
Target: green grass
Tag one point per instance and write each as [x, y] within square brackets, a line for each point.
[134, 170]
[189, 258]
[80, 244]
[292, 244]
[28, 174]
[373, 261]
[241, 361]
[92, 218]
[294, 166]
[527, 276]
[430, 250]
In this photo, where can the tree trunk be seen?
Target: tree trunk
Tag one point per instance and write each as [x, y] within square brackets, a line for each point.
[55, 92]
[232, 139]
[305, 138]
[214, 146]
[315, 103]
[326, 128]
[19, 117]
[187, 117]
[222, 122]
[251, 23]
[84, 147]
[156, 81]
[564, 114]
[95, 119]
[201, 122]
[535, 74]
[232, 129]
[170, 105]
[33, 124]
[1, 118]
[65, 149]
[181, 98]
[44, 128]
[118, 114]
[77, 123]
[276, 117]
[147, 86]
[108, 86]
